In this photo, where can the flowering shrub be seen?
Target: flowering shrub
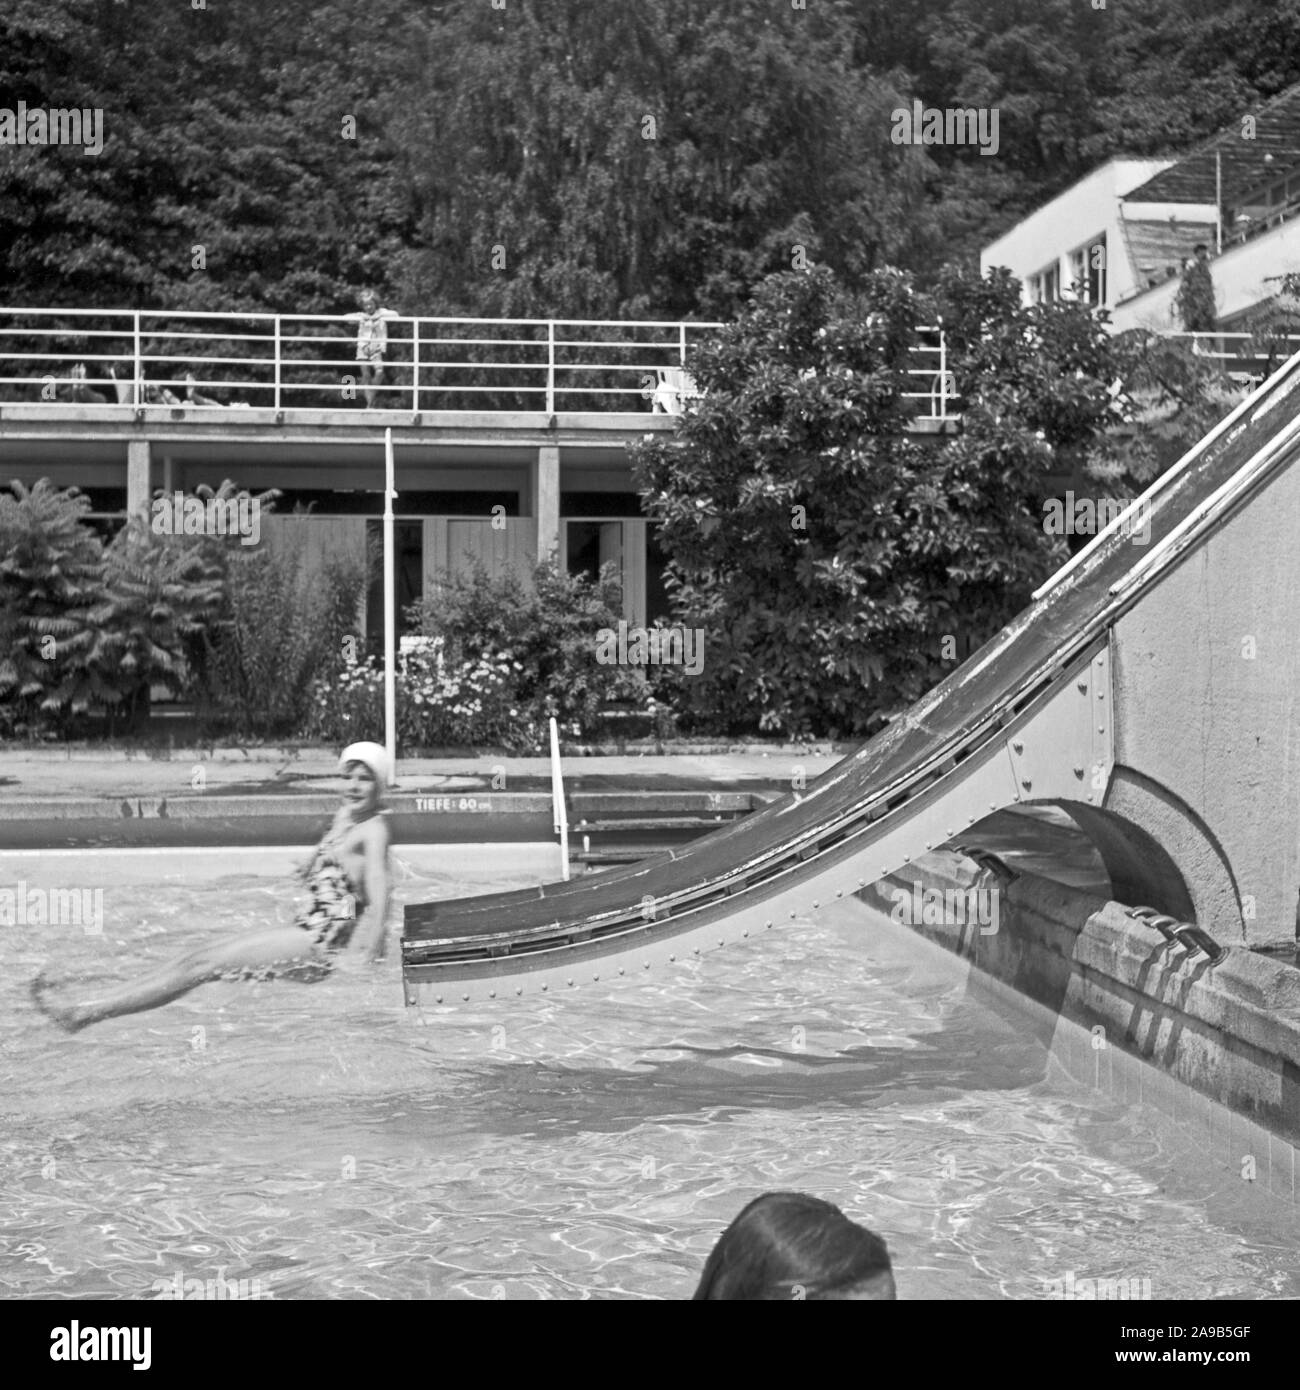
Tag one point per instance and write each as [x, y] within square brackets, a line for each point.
[347, 704]
[440, 702]
[548, 628]
[495, 660]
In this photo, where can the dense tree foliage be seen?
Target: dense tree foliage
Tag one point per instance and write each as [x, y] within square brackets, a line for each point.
[1076, 82]
[588, 158]
[574, 157]
[657, 159]
[837, 567]
[564, 158]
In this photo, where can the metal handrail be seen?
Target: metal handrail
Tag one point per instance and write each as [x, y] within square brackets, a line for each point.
[282, 365]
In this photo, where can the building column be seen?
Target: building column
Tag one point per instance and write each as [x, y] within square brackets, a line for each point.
[634, 572]
[546, 501]
[137, 476]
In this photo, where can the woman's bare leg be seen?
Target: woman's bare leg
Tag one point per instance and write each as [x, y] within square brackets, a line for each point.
[278, 946]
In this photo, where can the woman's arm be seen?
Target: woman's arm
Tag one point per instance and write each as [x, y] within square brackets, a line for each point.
[371, 936]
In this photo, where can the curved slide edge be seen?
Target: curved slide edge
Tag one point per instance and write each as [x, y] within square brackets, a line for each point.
[1070, 715]
[720, 888]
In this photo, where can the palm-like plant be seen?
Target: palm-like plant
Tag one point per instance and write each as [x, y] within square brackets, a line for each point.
[158, 593]
[51, 583]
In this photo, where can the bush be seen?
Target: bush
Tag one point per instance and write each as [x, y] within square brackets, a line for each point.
[281, 623]
[544, 635]
[51, 579]
[345, 702]
[445, 702]
[159, 592]
[440, 703]
[84, 627]
[494, 661]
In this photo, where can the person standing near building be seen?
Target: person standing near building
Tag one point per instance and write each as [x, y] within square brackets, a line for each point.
[372, 342]
[1195, 302]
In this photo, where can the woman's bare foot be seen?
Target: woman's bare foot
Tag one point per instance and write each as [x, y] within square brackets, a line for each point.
[67, 1018]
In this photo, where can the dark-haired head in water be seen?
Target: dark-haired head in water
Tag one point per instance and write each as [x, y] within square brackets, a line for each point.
[347, 878]
[787, 1245]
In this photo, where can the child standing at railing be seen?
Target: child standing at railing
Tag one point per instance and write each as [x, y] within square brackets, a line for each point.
[372, 341]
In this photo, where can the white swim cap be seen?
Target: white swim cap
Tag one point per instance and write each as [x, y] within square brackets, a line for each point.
[373, 755]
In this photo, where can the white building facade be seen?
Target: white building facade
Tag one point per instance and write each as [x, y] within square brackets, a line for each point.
[1093, 244]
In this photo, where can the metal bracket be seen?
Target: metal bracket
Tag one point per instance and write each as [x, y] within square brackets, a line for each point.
[1185, 934]
[1080, 728]
[989, 862]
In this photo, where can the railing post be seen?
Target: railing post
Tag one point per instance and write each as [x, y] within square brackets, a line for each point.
[415, 366]
[276, 403]
[137, 367]
[550, 366]
[943, 375]
[681, 352]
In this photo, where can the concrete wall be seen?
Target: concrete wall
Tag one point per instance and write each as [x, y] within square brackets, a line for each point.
[1206, 709]
[1229, 1032]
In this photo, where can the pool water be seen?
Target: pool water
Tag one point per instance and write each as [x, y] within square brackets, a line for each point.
[320, 1141]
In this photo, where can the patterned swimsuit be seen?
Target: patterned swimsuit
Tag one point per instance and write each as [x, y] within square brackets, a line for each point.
[331, 917]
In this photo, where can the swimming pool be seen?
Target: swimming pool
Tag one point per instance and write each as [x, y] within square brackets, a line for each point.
[320, 1142]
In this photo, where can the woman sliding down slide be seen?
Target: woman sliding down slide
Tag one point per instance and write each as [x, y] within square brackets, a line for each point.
[348, 879]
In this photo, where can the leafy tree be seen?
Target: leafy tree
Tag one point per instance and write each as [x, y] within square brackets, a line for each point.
[1174, 395]
[230, 178]
[663, 162]
[825, 554]
[660, 159]
[1074, 85]
[225, 180]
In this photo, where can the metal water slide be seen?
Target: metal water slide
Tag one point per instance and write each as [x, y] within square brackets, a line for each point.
[1026, 718]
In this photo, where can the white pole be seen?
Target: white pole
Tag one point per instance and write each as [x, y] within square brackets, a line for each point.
[1218, 202]
[390, 615]
[557, 800]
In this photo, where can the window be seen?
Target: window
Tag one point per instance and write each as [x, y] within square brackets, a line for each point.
[1046, 285]
[1092, 270]
[1088, 271]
